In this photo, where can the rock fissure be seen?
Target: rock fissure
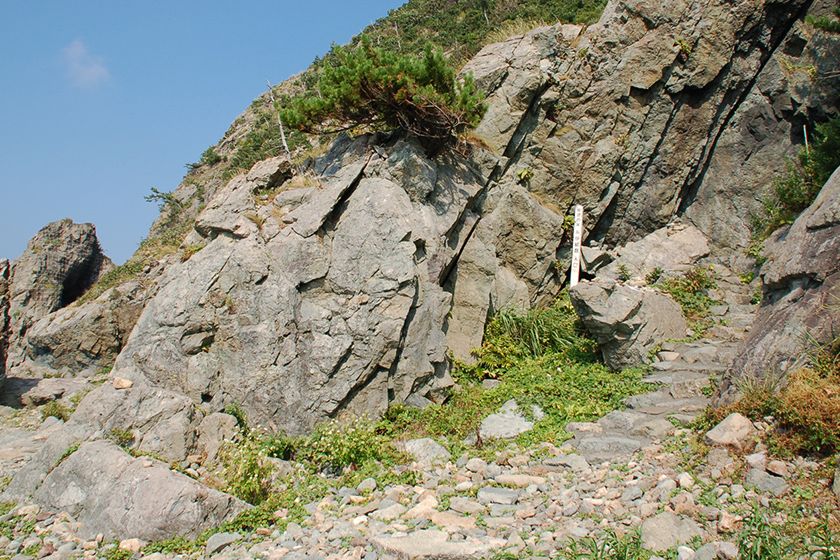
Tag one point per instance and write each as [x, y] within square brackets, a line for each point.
[689, 189]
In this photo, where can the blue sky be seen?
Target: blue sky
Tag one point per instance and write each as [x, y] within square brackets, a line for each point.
[101, 100]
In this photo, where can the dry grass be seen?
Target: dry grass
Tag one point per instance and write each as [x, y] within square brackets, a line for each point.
[511, 29]
[808, 411]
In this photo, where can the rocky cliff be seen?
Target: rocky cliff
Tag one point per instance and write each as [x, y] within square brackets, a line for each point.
[341, 289]
[343, 285]
[800, 311]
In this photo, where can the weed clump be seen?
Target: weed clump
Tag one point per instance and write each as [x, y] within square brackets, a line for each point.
[246, 470]
[805, 407]
[333, 446]
[56, 409]
[691, 291]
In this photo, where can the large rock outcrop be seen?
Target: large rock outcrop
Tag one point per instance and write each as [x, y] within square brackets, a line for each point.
[59, 264]
[80, 340]
[338, 289]
[112, 493]
[627, 321]
[801, 295]
[326, 301]
[313, 301]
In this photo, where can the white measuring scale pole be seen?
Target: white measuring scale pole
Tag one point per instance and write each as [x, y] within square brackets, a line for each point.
[576, 241]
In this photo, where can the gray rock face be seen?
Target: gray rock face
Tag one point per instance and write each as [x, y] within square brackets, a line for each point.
[81, 339]
[674, 248]
[626, 321]
[333, 305]
[110, 492]
[801, 284]
[59, 264]
[310, 301]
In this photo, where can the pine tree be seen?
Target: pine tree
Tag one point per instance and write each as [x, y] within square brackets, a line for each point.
[365, 87]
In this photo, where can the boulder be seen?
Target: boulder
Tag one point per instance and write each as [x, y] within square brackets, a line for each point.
[735, 431]
[801, 285]
[49, 389]
[84, 339]
[333, 308]
[59, 264]
[220, 541]
[433, 544]
[426, 451]
[626, 321]
[112, 493]
[666, 530]
[766, 482]
[213, 431]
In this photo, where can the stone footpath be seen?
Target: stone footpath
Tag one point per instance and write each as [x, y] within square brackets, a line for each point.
[620, 473]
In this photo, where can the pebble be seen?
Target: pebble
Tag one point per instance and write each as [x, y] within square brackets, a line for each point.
[531, 501]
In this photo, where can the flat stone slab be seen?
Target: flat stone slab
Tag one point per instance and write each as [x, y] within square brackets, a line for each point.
[426, 451]
[597, 449]
[219, 541]
[492, 495]
[509, 422]
[766, 482]
[433, 544]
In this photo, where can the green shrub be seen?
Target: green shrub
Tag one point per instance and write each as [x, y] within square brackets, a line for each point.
[122, 437]
[610, 547]
[236, 410]
[366, 87]
[260, 143]
[654, 276]
[246, 470]
[114, 552]
[797, 188]
[560, 372]
[623, 273]
[56, 409]
[691, 291]
[278, 446]
[208, 157]
[334, 445]
[67, 452]
[175, 545]
[826, 23]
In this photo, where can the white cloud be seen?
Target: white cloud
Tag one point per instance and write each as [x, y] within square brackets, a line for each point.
[84, 69]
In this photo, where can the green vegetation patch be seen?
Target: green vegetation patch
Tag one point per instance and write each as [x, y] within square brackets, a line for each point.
[797, 188]
[540, 357]
[691, 291]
